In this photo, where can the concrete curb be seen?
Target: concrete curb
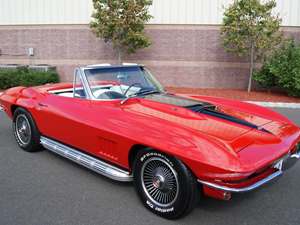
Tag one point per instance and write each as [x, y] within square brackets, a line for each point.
[277, 104]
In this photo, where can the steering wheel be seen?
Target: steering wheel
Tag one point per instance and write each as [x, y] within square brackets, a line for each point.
[110, 95]
[132, 85]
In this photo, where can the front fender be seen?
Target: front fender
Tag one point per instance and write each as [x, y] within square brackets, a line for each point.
[203, 154]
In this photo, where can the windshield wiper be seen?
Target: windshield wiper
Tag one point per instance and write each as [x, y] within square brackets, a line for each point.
[146, 92]
[140, 93]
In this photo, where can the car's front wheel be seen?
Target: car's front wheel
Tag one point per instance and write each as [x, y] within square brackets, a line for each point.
[25, 130]
[164, 184]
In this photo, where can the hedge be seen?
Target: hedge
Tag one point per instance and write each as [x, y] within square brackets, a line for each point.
[26, 77]
[282, 69]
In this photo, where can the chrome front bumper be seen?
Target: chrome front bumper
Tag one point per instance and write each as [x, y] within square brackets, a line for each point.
[282, 165]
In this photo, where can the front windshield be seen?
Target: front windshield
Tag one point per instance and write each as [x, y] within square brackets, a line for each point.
[121, 82]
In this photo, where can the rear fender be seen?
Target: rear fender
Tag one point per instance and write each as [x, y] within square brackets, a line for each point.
[9, 98]
[19, 97]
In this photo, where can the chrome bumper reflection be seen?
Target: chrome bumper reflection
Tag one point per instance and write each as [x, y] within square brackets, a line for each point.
[290, 161]
[282, 165]
[245, 189]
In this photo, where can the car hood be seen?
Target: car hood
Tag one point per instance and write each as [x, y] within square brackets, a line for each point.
[234, 128]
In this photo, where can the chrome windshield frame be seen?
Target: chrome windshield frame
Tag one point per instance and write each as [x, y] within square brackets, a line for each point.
[87, 88]
[85, 83]
[82, 77]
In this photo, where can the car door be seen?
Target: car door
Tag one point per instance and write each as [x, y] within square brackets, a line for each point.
[66, 119]
[83, 123]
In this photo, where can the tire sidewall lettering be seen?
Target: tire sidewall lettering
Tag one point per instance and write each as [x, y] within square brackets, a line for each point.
[155, 154]
[156, 208]
[148, 202]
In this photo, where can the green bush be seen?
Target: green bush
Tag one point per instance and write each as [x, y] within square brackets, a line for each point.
[26, 77]
[282, 69]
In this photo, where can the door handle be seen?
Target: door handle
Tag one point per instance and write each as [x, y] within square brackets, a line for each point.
[42, 105]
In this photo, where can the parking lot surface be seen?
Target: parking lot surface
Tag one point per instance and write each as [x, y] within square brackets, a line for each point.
[42, 188]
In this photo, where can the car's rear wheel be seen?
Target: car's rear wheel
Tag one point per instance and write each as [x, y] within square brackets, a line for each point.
[164, 184]
[25, 131]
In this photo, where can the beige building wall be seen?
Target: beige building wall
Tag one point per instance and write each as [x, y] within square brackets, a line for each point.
[186, 48]
[208, 12]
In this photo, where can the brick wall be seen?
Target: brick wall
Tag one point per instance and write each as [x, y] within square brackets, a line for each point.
[181, 55]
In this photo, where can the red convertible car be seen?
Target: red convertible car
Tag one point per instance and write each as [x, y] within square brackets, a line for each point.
[119, 121]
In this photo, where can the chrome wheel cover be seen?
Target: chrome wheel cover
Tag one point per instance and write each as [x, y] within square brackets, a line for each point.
[23, 129]
[160, 181]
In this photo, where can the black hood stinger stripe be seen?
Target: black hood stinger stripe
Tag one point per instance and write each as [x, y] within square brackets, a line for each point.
[200, 107]
[175, 100]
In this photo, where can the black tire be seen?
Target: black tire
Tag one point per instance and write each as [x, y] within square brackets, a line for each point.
[167, 203]
[25, 130]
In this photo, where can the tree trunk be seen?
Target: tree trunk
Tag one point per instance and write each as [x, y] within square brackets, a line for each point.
[119, 52]
[252, 51]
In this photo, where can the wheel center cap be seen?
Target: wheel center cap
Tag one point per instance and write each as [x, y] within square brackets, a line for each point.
[158, 181]
[23, 129]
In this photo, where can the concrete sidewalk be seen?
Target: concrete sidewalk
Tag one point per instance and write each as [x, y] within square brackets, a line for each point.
[277, 104]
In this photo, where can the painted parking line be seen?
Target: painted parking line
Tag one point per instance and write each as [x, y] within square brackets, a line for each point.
[277, 104]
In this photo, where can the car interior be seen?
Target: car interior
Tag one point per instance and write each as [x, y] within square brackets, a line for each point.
[99, 92]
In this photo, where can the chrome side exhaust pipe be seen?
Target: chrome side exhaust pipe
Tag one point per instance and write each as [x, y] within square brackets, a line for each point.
[87, 161]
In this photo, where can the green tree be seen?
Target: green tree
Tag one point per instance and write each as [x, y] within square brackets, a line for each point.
[250, 29]
[122, 23]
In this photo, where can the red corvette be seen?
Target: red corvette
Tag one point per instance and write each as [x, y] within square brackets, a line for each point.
[118, 121]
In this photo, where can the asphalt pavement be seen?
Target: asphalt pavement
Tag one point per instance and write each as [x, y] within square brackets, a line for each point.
[45, 189]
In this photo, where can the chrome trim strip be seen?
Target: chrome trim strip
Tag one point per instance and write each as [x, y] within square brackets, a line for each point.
[245, 189]
[87, 161]
[86, 86]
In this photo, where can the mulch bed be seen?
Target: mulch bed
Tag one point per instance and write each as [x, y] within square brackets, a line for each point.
[237, 94]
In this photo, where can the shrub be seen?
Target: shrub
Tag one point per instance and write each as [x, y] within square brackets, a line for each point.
[26, 77]
[282, 69]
